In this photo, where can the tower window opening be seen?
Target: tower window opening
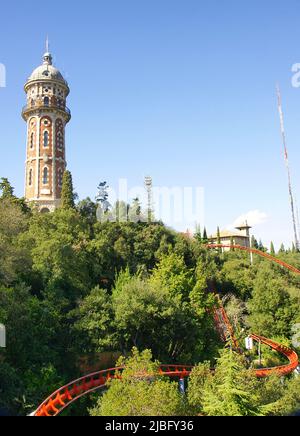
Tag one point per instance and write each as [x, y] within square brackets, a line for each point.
[46, 139]
[46, 101]
[60, 141]
[30, 177]
[45, 176]
[32, 141]
[60, 177]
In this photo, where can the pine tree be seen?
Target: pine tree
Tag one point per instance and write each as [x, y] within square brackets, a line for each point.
[67, 193]
[232, 391]
[282, 249]
[135, 211]
[6, 188]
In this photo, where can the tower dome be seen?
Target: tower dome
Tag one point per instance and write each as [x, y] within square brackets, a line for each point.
[47, 71]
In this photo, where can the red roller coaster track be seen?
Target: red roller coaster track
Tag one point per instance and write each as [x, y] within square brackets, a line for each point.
[65, 396]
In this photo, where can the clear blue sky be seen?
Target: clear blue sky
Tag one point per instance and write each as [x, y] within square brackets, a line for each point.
[183, 90]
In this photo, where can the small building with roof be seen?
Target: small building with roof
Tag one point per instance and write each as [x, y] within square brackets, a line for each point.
[241, 236]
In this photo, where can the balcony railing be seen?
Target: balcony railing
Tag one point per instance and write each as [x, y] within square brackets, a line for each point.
[42, 105]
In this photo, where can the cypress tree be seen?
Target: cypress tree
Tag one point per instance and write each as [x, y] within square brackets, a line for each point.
[254, 243]
[198, 234]
[282, 249]
[219, 240]
[218, 236]
[205, 237]
[67, 193]
[272, 250]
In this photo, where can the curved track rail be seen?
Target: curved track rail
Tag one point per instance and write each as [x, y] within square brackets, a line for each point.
[65, 396]
[260, 253]
[283, 370]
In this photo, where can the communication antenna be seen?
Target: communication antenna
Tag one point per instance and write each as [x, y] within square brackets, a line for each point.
[286, 159]
[149, 188]
[298, 219]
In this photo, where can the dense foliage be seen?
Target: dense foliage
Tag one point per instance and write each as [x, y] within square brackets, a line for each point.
[73, 289]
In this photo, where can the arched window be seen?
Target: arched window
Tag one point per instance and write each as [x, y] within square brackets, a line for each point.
[46, 139]
[30, 178]
[46, 101]
[32, 140]
[45, 176]
[60, 141]
[60, 177]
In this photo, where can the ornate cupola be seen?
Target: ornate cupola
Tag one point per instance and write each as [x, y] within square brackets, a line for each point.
[46, 115]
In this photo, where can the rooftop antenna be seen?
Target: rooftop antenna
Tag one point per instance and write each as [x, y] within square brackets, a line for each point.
[149, 187]
[47, 44]
[286, 159]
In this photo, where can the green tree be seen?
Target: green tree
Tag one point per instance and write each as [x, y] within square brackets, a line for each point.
[254, 243]
[232, 389]
[218, 236]
[7, 189]
[272, 249]
[200, 377]
[67, 192]
[87, 209]
[198, 234]
[273, 310]
[135, 212]
[172, 275]
[282, 249]
[94, 324]
[140, 392]
[15, 261]
[205, 237]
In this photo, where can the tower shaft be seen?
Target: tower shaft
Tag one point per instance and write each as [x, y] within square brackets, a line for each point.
[46, 115]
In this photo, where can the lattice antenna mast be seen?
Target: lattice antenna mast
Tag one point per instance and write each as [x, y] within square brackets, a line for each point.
[286, 159]
[149, 188]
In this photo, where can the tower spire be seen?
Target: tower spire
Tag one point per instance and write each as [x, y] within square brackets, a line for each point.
[47, 58]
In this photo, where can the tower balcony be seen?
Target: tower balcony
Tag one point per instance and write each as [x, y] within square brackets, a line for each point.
[40, 106]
